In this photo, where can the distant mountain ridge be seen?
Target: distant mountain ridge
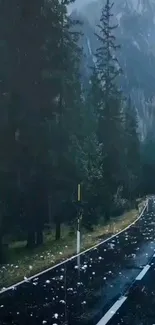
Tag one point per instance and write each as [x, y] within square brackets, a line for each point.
[136, 35]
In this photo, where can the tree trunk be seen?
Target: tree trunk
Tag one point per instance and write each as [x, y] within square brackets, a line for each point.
[39, 237]
[71, 230]
[31, 239]
[133, 205]
[136, 205]
[57, 230]
[107, 212]
[50, 210]
[107, 215]
[1, 250]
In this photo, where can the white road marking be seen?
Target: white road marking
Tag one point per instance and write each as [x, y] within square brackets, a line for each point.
[143, 272]
[110, 313]
[74, 256]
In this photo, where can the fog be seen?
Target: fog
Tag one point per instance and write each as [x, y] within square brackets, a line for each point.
[79, 4]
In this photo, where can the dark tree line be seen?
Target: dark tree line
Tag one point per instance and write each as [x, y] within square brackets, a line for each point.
[53, 133]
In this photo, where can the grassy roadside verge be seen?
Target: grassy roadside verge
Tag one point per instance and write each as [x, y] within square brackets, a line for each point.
[24, 264]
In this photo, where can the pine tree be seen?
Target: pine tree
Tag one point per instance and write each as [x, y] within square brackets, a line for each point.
[110, 121]
[25, 37]
[107, 64]
[66, 104]
[132, 151]
[91, 153]
[88, 159]
[43, 100]
[148, 163]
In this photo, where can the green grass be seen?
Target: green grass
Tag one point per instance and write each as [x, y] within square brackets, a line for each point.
[27, 263]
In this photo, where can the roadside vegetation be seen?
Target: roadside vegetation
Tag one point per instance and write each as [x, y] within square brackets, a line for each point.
[22, 263]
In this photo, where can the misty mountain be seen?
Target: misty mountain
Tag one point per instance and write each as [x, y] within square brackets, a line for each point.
[136, 35]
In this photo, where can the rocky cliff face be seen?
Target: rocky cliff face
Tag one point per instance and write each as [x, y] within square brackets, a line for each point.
[136, 35]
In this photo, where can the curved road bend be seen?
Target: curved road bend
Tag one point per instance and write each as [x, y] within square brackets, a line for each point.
[62, 296]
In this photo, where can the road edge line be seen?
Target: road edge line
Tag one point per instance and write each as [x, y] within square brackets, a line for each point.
[74, 256]
[143, 272]
[112, 311]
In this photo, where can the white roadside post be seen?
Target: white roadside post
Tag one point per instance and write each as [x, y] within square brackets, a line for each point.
[147, 205]
[78, 243]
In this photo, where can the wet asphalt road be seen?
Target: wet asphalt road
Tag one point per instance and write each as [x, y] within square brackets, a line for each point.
[139, 307]
[66, 296]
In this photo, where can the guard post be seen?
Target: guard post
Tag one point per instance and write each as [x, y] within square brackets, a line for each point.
[79, 216]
